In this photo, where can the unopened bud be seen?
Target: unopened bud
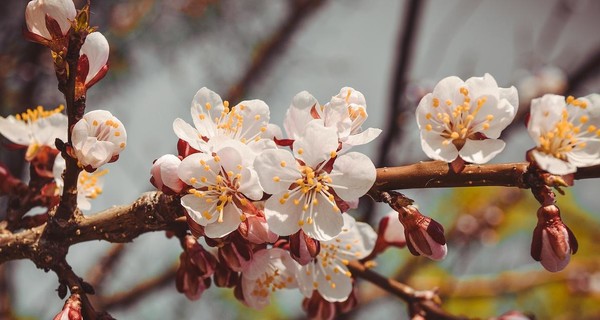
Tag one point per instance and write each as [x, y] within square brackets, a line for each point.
[164, 174]
[71, 310]
[389, 233]
[553, 242]
[225, 277]
[424, 235]
[303, 248]
[237, 254]
[195, 270]
[256, 230]
[316, 307]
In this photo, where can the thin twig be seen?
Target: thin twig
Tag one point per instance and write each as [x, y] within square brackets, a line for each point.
[98, 274]
[271, 49]
[140, 291]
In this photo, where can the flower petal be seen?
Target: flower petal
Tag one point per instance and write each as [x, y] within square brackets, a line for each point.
[276, 170]
[481, 151]
[16, 131]
[353, 175]
[231, 221]
[337, 289]
[206, 105]
[299, 115]
[326, 223]
[553, 164]
[434, 147]
[196, 206]
[316, 144]
[282, 218]
[96, 49]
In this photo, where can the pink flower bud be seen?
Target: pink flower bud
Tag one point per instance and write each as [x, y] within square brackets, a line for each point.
[71, 310]
[425, 236]
[256, 229]
[303, 248]
[60, 11]
[553, 242]
[164, 174]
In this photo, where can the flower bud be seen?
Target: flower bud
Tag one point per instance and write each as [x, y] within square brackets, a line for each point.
[225, 277]
[195, 270]
[303, 248]
[236, 254]
[98, 138]
[93, 59]
[424, 235]
[256, 229]
[58, 11]
[553, 242]
[71, 310]
[316, 307]
[164, 174]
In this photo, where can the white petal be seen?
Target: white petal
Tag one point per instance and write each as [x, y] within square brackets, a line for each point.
[354, 173]
[327, 222]
[190, 169]
[256, 116]
[362, 138]
[337, 289]
[14, 130]
[298, 114]
[480, 87]
[195, 206]
[306, 278]
[275, 178]
[169, 167]
[448, 89]
[503, 114]
[96, 49]
[511, 96]
[552, 164]
[335, 115]
[481, 151]
[316, 144]
[544, 114]
[59, 10]
[231, 220]
[46, 130]
[282, 218]
[433, 146]
[249, 184]
[209, 104]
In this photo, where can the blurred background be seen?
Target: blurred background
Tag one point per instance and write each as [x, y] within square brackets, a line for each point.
[394, 52]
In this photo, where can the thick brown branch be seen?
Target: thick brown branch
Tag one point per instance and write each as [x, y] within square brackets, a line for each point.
[153, 211]
[437, 174]
[412, 297]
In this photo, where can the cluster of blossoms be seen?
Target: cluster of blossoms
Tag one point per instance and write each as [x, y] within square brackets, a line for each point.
[274, 206]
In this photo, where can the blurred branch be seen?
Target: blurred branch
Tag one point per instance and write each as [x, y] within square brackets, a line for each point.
[422, 303]
[140, 291]
[6, 293]
[98, 274]
[266, 54]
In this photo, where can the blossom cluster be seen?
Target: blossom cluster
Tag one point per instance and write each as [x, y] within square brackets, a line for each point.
[274, 205]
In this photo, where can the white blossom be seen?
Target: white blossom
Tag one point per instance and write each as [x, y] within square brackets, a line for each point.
[98, 138]
[269, 271]
[566, 132]
[222, 184]
[465, 118]
[35, 128]
[329, 274]
[307, 184]
[346, 112]
[60, 10]
[214, 119]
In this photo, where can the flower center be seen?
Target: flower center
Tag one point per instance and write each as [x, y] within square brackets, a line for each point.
[569, 133]
[33, 115]
[270, 281]
[88, 183]
[220, 191]
[231, 123]
[457, 122]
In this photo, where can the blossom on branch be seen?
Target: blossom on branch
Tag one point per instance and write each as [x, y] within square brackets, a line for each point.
[35, 129]
[89, 185]
[566, 132]
[328, 273]
[71, 310]
[310, 188]
[465, 118]
[270, 270]
[98, 138]
[424, 236]
[222, 184]
[165, 174]
[214, 119]
[346, 112]
[50, 19]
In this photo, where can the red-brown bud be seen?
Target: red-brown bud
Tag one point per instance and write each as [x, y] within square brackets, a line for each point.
[236, 254]
[318, 308]
[553, 242]
[195, 270]
[303, 248]
[424, 235]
